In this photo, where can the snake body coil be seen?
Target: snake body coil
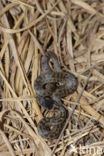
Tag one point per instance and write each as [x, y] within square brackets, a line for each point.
[50, 127]
[51, 86]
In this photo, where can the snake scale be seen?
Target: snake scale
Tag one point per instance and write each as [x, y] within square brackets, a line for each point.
[51, 85]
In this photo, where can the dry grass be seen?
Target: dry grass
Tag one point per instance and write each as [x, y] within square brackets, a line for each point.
[74, 30]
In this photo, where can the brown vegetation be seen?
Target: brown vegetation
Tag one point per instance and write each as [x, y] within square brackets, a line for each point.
[74, 30]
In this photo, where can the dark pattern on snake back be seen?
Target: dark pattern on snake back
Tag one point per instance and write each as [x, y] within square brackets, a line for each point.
[51, 86]
[50, 127]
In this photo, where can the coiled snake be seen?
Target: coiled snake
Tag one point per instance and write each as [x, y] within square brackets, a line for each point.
[50, 86]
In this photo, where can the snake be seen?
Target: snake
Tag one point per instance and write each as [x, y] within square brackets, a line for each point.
[50, 127]
[51, 86]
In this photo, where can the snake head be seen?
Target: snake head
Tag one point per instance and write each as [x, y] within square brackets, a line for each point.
[69, 82]
[72, 83]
